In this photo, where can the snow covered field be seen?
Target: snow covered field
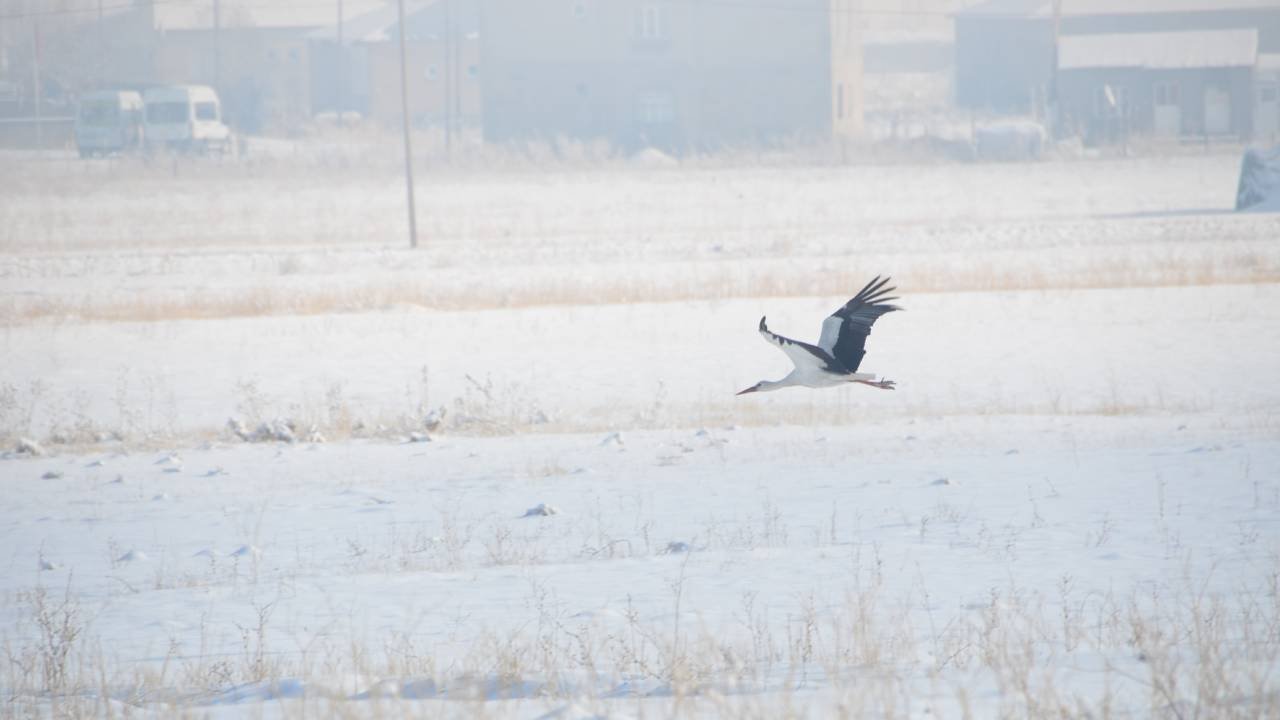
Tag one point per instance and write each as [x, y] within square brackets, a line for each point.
[520, 484]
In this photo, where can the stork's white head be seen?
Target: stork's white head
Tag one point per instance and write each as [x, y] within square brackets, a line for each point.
[762, 386]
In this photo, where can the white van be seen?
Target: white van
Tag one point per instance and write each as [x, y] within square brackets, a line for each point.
[186, 118]
[108, 121]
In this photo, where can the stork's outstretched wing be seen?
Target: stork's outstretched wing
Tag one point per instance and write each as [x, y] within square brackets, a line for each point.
[844, 333]
[802, 354]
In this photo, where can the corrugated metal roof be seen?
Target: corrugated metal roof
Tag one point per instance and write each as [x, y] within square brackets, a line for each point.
[1072, 8]
[255, 13]
[1167, 50]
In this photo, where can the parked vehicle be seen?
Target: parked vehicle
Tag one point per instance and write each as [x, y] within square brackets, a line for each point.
[185, 118]
[108, 121]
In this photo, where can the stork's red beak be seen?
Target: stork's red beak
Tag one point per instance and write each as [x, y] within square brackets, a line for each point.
[751, 389]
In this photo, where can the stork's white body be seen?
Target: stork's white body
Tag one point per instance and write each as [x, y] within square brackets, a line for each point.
[815, 378]
[810, 371]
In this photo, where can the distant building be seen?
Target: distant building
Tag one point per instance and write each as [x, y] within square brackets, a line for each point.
[442, 49]
[35, 41]
[1166, 84]
[1151, 67]
[903, 37]
[908, 66]
[47, 55]
[674, 75]
[255, 54]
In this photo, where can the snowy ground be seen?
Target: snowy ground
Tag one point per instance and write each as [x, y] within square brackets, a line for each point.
[1071, 505]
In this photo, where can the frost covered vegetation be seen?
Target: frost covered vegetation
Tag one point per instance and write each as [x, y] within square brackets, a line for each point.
[772, 572]
[261, 459]
[136, 242]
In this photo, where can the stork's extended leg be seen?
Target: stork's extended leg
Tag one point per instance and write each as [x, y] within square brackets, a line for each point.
[882, 384]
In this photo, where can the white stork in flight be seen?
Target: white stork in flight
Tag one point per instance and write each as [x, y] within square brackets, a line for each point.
[835, 359]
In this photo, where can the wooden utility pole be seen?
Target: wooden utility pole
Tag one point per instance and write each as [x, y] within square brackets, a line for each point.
[102, 50]
[404, 116]
[37, 91]
[217, 45]
[341, 59]
[1053, 114]
[448, 79]
[458, 73]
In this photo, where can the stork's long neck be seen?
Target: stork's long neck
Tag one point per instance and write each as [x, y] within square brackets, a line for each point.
[767, 385]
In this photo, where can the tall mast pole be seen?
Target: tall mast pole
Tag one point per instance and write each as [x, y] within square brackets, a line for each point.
[448, 79]
[217, 45]
[342, 67]
[404, 116]
[38, 91]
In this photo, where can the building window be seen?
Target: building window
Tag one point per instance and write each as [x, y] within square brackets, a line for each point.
[649, 24]
[207, 111]
[1268, 93]
[656, 108]
[579, 10]
[1167, 94]
[473, 70]
[431, 72]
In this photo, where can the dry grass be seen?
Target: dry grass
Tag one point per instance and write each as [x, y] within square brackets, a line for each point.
[1183, 654]
[1177, 653]
[465, 289]
[318, 228]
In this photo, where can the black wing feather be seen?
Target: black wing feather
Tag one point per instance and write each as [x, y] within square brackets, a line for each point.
[856, 318]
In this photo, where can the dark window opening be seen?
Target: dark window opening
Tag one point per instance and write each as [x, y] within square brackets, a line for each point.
[207, 111]
[169, 112]
[99, 112]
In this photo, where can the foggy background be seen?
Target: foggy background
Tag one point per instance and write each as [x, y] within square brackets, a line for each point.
[685, 76]
[345, 380]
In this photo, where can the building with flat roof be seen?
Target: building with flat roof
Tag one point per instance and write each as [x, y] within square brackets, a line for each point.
[681, 76]
[1163, 84]
[1151, 67]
